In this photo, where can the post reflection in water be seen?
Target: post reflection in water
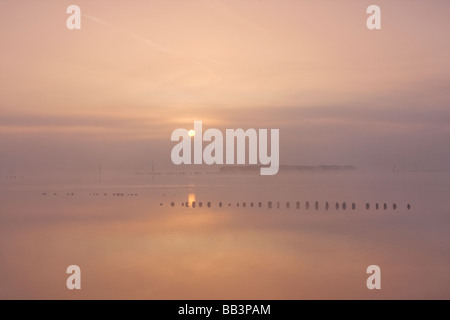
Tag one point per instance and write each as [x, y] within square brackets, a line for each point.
[191, 200]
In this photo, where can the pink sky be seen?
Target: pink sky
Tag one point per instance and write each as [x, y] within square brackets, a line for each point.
[115, 90]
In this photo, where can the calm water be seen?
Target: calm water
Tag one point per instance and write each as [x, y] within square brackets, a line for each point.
[147, 244]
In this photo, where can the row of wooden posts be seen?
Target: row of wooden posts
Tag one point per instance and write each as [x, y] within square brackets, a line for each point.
[287, 205]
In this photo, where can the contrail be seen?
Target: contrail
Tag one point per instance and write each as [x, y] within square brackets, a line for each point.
[153, 44]
[135, 36]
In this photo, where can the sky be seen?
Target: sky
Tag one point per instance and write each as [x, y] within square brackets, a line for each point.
[113, 92]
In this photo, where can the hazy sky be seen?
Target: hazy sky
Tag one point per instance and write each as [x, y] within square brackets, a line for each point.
[113, 91]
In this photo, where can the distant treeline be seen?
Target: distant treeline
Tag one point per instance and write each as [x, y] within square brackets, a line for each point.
[245, 169]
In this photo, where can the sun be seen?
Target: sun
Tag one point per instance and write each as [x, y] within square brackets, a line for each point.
[191, 133]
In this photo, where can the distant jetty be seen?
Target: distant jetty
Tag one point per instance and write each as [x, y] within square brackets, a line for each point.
[245, 169]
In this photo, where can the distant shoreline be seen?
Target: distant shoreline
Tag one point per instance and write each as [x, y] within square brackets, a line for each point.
[245, 169]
